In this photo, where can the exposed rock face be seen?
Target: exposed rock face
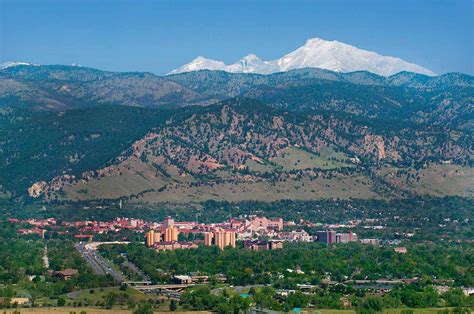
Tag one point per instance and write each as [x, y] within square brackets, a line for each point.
[37, 189]
[375, 142]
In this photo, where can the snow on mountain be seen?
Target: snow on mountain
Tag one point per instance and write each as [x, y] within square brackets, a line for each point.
[316, 53]
[201, 63]
[251, 64]
[14, 64]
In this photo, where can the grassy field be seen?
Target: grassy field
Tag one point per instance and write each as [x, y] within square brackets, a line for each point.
[128, 178]
[260, 167]
[442, 180]
[100, 294]
[294, 158]
[436, 180]
[344, 187]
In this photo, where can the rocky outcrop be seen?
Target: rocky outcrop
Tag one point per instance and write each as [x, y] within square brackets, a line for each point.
[375, 144]
[37, 189]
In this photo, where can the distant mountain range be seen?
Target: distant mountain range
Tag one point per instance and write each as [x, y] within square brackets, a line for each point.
[315, 53]
[76, 133]
[14, 64]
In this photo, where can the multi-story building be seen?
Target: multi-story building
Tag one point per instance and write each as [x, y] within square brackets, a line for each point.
[328, 236]
[346, 237]
[174, 245]
[171, 234]
[168, 222]
[208, 238]
[167, 232]
[263, 245]
[150, 238]
[220, 237]
[263, 223]
[275, 245]
[296, 236]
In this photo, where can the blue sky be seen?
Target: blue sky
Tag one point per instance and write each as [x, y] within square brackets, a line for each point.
[158, 36]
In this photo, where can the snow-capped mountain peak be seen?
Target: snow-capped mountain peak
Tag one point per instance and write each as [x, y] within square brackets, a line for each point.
[248, 64]
[14, 64]
[200, 63]
[315, 53]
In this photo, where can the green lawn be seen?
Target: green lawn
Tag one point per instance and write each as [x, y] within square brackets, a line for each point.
[99, 294]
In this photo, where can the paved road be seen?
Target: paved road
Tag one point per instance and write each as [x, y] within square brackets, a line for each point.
[74, 294]
[238, 289]
[77, 293]
[138, 271]
[100, 266]
[45, 257]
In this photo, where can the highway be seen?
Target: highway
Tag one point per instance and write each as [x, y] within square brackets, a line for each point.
[173, 291]
[98, 264]
[138, 270]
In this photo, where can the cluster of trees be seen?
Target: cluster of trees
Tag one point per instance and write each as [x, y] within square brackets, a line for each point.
[341, 262]
[18, 259]
[203, 298]
[23, 258]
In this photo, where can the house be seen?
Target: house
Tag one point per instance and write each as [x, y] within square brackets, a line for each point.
[64, 274]
[263, 245]
[20, 301]
[401, 250]
[87, 237]
[256, 245]
[345, 302]
[183, 279]
[15, 300]
[173, 245]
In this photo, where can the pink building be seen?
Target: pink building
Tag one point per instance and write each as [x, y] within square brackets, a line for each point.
[266, 223]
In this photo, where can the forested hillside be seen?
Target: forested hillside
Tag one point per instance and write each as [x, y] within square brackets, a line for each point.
[70, 133]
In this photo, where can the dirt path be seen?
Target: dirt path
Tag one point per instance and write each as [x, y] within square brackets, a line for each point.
[45, 258]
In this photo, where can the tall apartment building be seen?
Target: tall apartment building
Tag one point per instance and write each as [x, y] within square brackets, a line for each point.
[168, 222]
[263, 245]
[220, 237]
[208, 238]
[346, 237]
[170, 234]
[328, 236]
[149, 238]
